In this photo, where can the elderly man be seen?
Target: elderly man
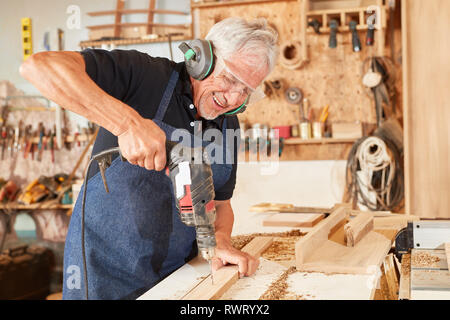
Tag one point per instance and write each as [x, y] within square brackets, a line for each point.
[134, 237]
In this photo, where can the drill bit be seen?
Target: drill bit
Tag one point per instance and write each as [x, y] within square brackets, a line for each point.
[211, 271]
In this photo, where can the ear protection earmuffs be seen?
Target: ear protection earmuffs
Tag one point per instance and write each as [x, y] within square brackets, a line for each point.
[200, 61]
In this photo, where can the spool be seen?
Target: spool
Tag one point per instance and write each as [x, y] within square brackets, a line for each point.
[291, 55]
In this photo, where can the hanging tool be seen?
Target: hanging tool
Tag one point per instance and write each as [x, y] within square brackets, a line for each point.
[333, 34]
[376, 80]
[315, 24]
[356, 43]
[4, 134]
[370, 35]
[295, 96]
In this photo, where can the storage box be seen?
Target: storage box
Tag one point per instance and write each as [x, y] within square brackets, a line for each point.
[347, 130]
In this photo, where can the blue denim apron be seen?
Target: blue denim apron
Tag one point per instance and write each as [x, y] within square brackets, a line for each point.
[133, 235]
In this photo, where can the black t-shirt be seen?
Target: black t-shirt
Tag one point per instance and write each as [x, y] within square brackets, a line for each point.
[139, 80]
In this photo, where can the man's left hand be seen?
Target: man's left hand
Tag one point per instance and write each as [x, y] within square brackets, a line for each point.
[227, 254]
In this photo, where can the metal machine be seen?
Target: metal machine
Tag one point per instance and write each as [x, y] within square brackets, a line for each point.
[422, 235]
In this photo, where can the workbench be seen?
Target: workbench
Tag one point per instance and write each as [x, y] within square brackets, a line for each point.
[302, 285]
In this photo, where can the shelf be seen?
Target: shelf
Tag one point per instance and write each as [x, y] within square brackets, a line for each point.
[344, 16]
[130, 41]
[231, 3]
[295, 141]
[131, 11]
[140, 24]
[48, 205]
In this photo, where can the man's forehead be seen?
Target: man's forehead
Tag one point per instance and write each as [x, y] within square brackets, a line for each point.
[249, 69]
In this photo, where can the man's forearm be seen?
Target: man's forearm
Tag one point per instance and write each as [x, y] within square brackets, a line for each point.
[224, 220]
[61, 77]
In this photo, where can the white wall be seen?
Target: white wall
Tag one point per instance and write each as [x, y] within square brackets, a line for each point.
[48, 15]
[302, 183]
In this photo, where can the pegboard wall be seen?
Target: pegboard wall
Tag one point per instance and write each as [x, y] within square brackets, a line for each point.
[331, 77]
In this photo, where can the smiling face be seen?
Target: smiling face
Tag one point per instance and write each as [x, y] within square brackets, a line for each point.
[225, 90]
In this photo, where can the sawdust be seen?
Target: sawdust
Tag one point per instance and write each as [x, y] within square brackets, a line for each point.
[424, 259]
[282, 249]
[278, 289]
[240, 241]
[406, 264]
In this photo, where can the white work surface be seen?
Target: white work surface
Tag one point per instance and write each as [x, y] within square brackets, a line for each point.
[303, 183]
[307, 285]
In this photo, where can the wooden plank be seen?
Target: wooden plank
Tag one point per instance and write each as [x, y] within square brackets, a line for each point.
[447, 252]
[226, 276]
[438, 280]
[306, 246]
[391, 276]
[324, 250]
[357, 228]
[394, 222]
[405, 278]
[425, 82]
[293, 220]
[318, 141]
[233, 3]
[138, 24]
[151, 15]
[134, 11]
[118, 17]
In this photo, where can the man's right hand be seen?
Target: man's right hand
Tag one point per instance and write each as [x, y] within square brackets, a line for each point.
[144, 144]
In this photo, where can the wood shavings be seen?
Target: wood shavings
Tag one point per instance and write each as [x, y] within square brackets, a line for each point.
[278, 289]
[424, 259]
[282, 249]
[241, 240]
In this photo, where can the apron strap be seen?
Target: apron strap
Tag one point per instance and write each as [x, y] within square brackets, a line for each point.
[167, 96]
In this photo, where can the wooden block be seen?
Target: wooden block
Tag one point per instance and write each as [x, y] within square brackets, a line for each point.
[226, 276]
[347, 130]
[397, 221]
[293, 220]
[308, 244]
[323, 249]
[357, 228]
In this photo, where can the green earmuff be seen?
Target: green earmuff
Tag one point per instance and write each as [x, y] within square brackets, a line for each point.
[200, 60]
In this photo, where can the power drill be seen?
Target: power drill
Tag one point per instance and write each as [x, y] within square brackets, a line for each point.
[194, 193]
[193, 189]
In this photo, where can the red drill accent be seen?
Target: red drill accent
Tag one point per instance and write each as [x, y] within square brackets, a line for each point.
[210, 206]
[186, 201]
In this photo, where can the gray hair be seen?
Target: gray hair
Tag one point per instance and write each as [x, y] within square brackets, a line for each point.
[236, 35]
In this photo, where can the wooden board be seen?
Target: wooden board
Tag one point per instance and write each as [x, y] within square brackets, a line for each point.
[391, 276]
[357, 228]
[226, 276]
[405, 278]
[430, 277]
[430, 280]
[293, 220]
[426, 67]
[323, 249]
[447, 252]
